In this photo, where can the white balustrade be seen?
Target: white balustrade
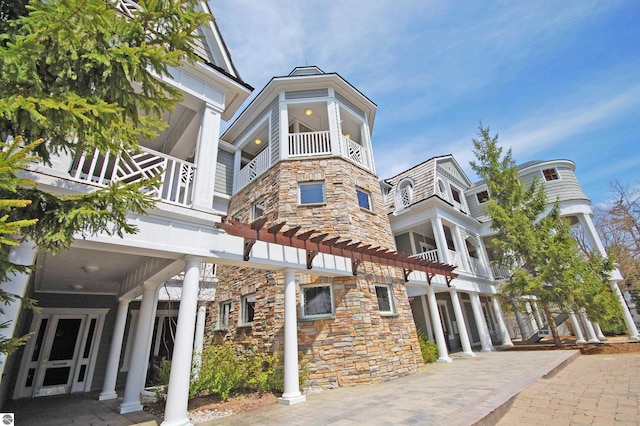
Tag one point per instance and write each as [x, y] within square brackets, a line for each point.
[354, 152]
[454, 256]
[309, 144]
[176, 176]
[404, 198]
[477, 267]
[253, 169]
[431, 255]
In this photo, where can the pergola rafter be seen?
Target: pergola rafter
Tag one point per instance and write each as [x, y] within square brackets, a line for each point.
[323, 243]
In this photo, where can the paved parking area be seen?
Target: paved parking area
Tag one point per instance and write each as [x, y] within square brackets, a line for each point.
[592, 390]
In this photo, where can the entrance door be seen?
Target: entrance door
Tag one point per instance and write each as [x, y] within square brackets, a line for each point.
[60, 356]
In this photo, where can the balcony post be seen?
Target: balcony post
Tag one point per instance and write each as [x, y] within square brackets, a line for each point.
[284, 128]
[365, 136]
[441, 242]
[206, 158]
[335, 128]
[461, 247]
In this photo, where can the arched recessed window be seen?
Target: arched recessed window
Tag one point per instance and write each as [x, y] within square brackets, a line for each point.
[404, 195]
[441, 188]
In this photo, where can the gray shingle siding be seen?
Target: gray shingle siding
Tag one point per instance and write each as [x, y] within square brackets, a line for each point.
[224, 173]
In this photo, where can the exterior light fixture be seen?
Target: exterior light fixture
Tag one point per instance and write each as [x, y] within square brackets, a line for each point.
[308, 111]
[258, 141]
[347, 135]
[90, 269]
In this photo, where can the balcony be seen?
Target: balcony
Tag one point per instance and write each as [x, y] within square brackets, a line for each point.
[176, 176]
[431, 255]
[253, 169]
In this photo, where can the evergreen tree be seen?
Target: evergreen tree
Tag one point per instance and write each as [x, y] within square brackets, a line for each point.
[81, 75]
[536, 244]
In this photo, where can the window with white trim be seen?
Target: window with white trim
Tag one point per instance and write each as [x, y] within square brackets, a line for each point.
[225, 314]
[257, 210]
[455, 194]
[248, 309]
[550, 174]
[482, 196]
[384, 293]
[317, 301]
[364, 199]
[311, 192]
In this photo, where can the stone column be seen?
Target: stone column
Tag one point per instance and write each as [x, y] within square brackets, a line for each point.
[175, 411]
[291, 394]
[111, 374]
[481, 324]
[591, 333]
[139, 357]
[443, 355]
[462, 327]
[25, 255]
[504, 333]
[577, 330]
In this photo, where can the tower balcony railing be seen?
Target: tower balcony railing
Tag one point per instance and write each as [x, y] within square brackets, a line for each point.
[309, 144]
[253, 169]
[478, 268]
[354, 152]
[176, 177]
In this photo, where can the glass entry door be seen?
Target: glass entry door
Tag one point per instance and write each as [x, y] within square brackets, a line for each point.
[60, 355]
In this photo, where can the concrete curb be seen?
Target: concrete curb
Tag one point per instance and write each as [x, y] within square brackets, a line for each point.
[489, 410]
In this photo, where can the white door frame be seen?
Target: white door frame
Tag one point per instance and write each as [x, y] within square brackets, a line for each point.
[83, 364]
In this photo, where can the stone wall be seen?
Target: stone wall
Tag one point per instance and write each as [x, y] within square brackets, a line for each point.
[357, 344]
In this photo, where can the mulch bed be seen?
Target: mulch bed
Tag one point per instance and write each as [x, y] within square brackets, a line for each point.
[588, 349]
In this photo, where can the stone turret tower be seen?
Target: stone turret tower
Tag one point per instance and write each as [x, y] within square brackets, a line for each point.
[302, 154]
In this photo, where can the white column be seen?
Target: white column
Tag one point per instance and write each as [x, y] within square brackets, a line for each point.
[443, 355]
[481, 324]
[198, 344]
[365, 134]
[524, 333]
[462, 327]
[536, 314]
[24, 255]
[175, 410]
[441, 241]
[461, 248]
[598, 330]
[577, 330]
[291, 394]
[206, 158]
[111, 373]
[632, 330]
[591, 333]
[425, 310]
[284, 127]
[335, 128]
[592, 235]
[139, 357]
[504, 333]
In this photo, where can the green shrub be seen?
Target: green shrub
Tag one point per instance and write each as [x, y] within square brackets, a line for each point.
[224, 371]
[428, 348]
[614, 328]
[160, 380]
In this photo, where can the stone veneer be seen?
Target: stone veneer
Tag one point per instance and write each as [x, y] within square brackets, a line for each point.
[358, 344]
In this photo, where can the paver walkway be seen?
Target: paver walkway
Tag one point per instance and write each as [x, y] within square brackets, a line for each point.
[593, 390]
[461, 393]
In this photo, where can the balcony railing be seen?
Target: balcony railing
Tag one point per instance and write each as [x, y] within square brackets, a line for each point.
[354, 152]
[309, 144]
[478, 268]
[500, 272]
[176, 176]
[253, 169]
[431, 255]
[455, 259]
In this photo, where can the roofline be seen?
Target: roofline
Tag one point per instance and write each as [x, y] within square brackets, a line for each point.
[417, 165]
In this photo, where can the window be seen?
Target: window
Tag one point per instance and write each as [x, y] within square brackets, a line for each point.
[550, 174]
[455, 194]
[257, 210]
[248, 309]
[311, 192]
[404, 194]
[317, 301]
[385, 299]
[225, 313]
[441, 188]
[482, 196]
[364, 199]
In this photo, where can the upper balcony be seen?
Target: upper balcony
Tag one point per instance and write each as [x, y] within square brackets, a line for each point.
[310, 133]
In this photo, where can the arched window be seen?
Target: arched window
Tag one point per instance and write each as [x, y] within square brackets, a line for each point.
[404, 194]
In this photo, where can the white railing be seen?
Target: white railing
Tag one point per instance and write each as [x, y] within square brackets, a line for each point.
[309, 143]
[176, 176]
[431, 255]
[454, 259]
[354, 151]
[253, 169]
[477, 267]
[500, 272]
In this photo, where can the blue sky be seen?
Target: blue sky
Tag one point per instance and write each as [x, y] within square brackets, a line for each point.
[553, 79]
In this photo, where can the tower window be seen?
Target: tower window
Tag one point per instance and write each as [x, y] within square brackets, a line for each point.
[364, 199]
[550, 174]
[482, 196]
[311, 192]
